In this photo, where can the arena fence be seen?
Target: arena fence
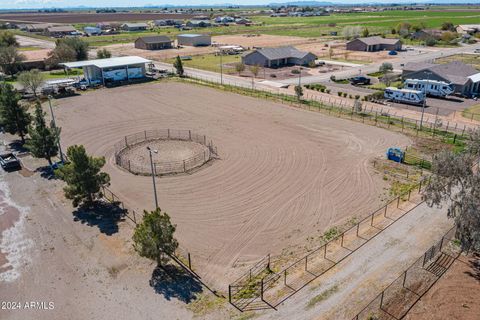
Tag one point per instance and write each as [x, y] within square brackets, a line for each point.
[396, 300]
[273, 288]
[164, 167]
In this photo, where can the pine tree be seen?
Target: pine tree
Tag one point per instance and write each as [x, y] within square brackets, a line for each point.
[83, 177]
[179, 66]
[153, 238]
[43, 141]
[13, 117]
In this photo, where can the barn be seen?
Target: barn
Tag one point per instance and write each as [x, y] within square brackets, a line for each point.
[278, 57]
[194, 40]
[153, 43]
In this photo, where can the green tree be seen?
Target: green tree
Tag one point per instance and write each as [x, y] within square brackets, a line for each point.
[153, 238]
[103, 54]
[61, 53]
[430, 42]
[386, 67]
[83, 176]
[365, 32]
[78, 45]
[448, 26]
[14, 117]
[43, 142]
[31, 80]
[10, 60]
[299, 92]
[178, 65]
[456, 185]
[7, 39]
[254, 70]
[239, 67]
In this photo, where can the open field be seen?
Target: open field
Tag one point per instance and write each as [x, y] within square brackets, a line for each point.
[240, 40]
[84, 17]
[283, 174]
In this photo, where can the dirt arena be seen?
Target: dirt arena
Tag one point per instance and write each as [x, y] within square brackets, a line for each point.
[283, 175]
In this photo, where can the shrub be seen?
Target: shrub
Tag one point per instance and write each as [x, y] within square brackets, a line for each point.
[344, 94]
[357, 96]
[340, 93]
[327, 91]
[322, 89]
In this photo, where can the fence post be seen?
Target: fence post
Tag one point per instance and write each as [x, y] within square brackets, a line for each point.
[325, 250]
[385, 213]
[306, 262]
[145, 133]
[205, 140]
[261, 289]
[371, 221]
[184, 168]
[358, 227]
[409, 192]
[189, 261]
[404, 278]
[381, 300]
[129, 169]
[398, 201]
[230, 293]
[285, 277]
[441, 243]
[420, 186]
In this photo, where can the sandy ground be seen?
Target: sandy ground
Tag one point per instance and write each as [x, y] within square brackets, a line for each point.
[72, 266]
[455, 296]
[283, 174]
[241, 40]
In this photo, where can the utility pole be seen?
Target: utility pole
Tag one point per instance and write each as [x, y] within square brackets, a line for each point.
[55, 127]
[221, 68]
[153, 176]
[425, 98]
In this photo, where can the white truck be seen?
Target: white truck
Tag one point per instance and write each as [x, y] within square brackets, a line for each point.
[404, 95]
[431, 87]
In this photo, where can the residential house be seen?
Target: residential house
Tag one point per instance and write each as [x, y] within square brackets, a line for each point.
[135, 26]
[278, 57]
[61, 31]
[371, 44]
[153, 43]
[195, 40]
[198, 24]
[464, 77]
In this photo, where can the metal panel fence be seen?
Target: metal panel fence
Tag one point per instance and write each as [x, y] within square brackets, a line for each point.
[276, 287]
[396, 300]
[164, 167]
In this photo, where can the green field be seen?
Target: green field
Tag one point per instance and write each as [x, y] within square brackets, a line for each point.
[211, 62]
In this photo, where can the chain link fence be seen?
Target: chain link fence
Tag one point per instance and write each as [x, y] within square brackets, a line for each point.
[164, 167]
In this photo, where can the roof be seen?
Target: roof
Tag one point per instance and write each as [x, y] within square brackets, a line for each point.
[62, 29]
[135, 25]
[475, 77]
[191, 35]
[155, 39]
[107, 63]
[377, 40]
[456, 71]
[281, 53]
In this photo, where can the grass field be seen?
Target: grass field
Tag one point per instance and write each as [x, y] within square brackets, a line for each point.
[309, 27]
[472, 112]
[210, 62]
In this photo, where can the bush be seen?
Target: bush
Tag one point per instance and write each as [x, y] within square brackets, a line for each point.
[357, 96]
[332, 78]
[344, 94]
[350, 96]
[322, 89]
[273, 75]
[295, 71]
[327, 91]
[430, 42]
[340, 93]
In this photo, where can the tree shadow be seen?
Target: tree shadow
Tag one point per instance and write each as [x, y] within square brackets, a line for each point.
[175, 282]
[474, 263]
[104, 215]
[47, 172]
[17, 147]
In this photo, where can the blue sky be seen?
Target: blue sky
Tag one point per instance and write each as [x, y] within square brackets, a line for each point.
[17, 4]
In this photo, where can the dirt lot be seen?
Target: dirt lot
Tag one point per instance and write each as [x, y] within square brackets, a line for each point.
[283, 174]
[454, 296]
[241, 40]
[87, 17]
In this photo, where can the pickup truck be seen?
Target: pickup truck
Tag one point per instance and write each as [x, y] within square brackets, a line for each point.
[9, 161]
[360, 80]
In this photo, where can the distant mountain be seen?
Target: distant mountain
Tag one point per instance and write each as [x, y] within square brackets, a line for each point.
[303, 4]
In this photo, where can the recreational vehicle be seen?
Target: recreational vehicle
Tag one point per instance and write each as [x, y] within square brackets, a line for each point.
[431, 87]
[404, 95]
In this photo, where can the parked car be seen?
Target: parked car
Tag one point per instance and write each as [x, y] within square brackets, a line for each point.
[9, 161]
[476, 50]
[392, 53]
[360, 80]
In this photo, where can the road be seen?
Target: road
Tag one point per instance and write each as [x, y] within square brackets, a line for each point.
[24, 41]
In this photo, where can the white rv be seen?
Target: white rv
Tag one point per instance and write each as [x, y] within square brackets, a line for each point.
[404, 95]
[431, 87]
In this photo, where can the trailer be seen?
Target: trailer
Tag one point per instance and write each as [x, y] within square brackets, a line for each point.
[404, 95]
[431, 87]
